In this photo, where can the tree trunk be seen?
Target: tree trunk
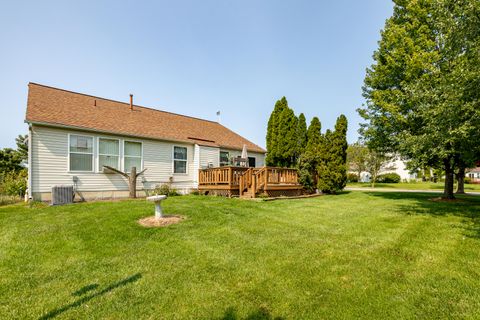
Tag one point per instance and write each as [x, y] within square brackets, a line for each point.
[461, 180]
[132, 183]
[448, 188]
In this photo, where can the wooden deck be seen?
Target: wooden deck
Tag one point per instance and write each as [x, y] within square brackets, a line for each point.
[249, 182]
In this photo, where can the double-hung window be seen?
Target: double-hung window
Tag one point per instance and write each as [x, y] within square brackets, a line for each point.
[108, 153]
[179, 159]
[224, 158]
[132, 155]
[80, 153]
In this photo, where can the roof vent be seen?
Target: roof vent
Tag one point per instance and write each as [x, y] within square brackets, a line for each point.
[131, 101]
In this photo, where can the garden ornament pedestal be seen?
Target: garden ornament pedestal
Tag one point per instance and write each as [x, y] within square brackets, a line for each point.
[158, 207]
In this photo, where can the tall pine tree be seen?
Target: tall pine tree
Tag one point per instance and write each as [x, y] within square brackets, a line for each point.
[301, 135]
[308, 161]
[282, 136]
[287, 138]
[332, 167]
[272, 131]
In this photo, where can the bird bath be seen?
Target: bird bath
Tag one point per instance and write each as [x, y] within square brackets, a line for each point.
[158, 207]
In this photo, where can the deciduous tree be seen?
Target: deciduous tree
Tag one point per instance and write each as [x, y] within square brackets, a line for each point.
[420, 92]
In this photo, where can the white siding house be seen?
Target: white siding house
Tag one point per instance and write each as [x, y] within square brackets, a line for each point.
[66, 154]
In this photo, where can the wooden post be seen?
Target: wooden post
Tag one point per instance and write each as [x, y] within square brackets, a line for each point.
[266, 179]
[240, 185]
[132, 185]
[254, 186]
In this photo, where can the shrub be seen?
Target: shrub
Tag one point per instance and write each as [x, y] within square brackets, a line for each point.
[5, 200]
[467, 180]
[166, 189]
[388, 178]
[14, 183]
[352, 177]
[194, 192]
[306, 180]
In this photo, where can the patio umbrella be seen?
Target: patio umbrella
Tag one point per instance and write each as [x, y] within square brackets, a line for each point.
[245, 154]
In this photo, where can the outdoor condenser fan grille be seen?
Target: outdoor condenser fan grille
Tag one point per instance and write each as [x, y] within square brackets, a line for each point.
[62, 195]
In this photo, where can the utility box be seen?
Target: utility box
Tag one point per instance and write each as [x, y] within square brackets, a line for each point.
[62, 195]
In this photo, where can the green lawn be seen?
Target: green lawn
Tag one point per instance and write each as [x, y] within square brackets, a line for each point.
[355, 255]
[413, 186]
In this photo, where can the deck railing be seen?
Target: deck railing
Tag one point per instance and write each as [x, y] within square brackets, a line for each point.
[243, 178]
[229, 176]
[281, 176]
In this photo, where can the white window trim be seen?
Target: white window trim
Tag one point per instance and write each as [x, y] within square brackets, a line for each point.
[93, 153]
[173, 161]
[123, 155]
[99, 170]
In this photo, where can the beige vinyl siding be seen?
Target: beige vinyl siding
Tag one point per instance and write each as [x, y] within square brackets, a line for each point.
[259, 157]
[50, 163]
[209, 155]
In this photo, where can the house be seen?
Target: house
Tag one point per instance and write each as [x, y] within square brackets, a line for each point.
[473, 174]
[73, 135]
[396, 165]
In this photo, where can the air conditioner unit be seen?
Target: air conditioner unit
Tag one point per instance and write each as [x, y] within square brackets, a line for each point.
[62, 195]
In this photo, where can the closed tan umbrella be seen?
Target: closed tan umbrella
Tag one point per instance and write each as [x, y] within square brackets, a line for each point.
[245, 155]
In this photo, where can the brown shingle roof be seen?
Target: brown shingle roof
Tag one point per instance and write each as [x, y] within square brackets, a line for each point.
[55, 106]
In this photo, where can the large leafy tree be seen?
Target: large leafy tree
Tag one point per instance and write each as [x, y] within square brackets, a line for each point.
[357, 158]
[420, 94]
[10, 160]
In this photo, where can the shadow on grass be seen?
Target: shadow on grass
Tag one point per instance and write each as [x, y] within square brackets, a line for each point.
[52, 314]
[83, 290]
[468, 207]
[260, 314]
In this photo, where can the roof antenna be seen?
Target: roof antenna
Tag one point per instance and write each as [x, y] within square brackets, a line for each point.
[131, 101]
[218, 116]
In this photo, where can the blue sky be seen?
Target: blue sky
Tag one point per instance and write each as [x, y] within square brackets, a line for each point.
[193, 57]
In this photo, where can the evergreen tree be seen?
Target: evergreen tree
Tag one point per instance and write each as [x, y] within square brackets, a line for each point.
[22, 146]
[314, 135]
[282, 136]
[332, 167]
[308, 161]
[301, 135]
[287, 138]
[272, 131]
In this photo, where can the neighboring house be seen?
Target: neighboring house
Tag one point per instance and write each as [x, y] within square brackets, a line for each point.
[396, 165]
[473, 174]
[73, 135]
[399, 167]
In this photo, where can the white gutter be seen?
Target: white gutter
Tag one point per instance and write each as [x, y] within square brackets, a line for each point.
[30, 163]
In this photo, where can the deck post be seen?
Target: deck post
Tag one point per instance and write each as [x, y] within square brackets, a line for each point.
[265, 186]
[254, 186]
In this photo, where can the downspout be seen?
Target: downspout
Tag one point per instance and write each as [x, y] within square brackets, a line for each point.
[30, 163]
